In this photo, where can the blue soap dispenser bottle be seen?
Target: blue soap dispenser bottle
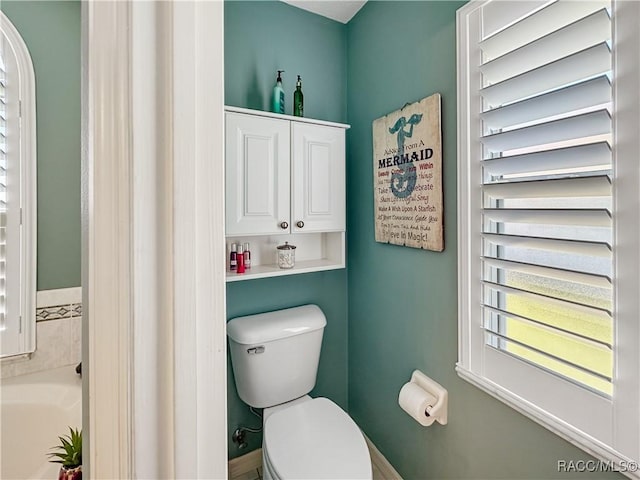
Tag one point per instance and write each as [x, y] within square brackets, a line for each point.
[278, 95]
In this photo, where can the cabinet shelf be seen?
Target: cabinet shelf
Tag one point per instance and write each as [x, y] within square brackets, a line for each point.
[265, 271]
[315, 252]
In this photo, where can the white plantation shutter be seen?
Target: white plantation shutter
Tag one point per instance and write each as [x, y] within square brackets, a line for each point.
[17, 195]
[547, 149]
[537, 216]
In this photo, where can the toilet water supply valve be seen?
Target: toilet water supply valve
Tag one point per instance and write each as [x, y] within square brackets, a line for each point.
[238, 438]
[240, 433]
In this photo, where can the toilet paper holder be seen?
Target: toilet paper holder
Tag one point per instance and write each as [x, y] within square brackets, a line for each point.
[439, 410]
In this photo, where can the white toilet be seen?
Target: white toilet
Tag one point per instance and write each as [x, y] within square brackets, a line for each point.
[275, 361]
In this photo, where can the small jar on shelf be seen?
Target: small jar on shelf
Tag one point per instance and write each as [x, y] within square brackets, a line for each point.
[286, 256]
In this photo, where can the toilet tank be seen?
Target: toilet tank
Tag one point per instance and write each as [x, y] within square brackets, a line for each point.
[275, 355]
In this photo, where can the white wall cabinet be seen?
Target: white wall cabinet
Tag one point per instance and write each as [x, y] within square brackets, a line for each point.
[285, 181]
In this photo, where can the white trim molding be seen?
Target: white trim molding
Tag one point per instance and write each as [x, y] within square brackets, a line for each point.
[153, 237]
[107, 246]
[199, 248]
[153, 240]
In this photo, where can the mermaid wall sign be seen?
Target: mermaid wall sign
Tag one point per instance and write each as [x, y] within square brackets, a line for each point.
[407, 176]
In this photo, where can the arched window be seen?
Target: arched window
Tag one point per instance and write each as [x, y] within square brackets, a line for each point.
[17, 194]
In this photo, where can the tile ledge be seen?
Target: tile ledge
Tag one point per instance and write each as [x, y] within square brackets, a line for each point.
[58, 296]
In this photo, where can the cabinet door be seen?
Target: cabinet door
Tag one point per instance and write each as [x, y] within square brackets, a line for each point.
[257, 175]
[318, 178]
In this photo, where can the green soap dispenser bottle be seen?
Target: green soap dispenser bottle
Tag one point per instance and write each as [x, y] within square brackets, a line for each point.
[298, 99]
[278, 95]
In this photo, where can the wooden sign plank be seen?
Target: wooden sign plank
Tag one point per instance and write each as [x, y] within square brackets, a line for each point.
[407, 176]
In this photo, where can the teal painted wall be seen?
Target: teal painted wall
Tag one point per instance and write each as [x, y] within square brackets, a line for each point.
[261, 37]
[264, 36]
[402, 301]
[51, 30]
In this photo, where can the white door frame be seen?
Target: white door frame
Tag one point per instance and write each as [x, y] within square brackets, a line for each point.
[154, 340]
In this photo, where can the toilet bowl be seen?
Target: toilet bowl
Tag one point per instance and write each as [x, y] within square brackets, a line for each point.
[313, 439]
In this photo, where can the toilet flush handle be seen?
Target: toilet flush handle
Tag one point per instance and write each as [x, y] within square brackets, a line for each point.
[255, 350]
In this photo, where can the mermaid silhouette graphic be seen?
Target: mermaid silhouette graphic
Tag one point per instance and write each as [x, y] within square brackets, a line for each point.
[403, 182]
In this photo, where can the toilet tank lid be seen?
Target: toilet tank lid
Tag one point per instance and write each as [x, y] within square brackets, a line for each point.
[266, 327]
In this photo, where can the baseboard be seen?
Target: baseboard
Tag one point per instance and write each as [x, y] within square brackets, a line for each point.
[381, 463]
[245, 464]
[251, 461]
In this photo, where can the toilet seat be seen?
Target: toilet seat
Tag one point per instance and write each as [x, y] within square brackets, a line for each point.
[315, 439]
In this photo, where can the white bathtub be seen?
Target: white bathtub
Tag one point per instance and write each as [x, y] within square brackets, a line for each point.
[35, 410]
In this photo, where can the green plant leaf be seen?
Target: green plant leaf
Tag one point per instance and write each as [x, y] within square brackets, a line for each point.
[69, 451]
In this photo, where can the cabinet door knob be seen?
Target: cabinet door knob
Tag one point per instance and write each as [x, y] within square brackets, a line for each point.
[284, 225]
[300, 224]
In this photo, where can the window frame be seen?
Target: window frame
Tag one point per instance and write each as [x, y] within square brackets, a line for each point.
[620, 415]
[28, 196]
